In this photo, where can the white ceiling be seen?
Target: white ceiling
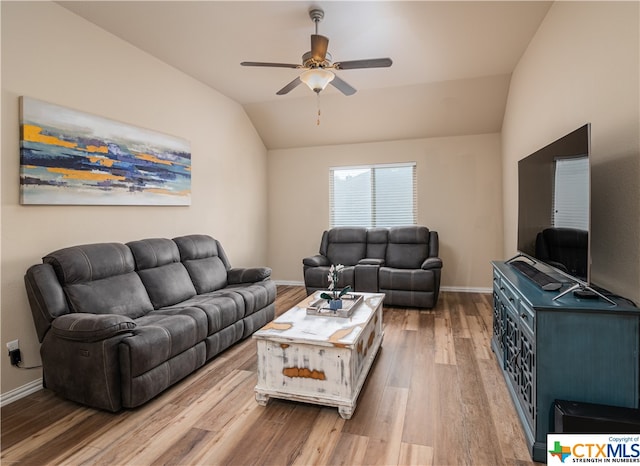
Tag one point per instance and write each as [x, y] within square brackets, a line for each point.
[452, 61]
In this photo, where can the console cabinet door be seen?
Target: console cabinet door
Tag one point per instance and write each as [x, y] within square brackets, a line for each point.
[520, 363]
[499, 313]
[527, 375]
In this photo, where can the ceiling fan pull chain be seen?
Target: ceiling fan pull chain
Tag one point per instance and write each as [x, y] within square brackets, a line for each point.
[318, 120]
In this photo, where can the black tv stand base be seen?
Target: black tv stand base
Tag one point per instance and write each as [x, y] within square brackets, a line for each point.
[585, 294]
[580, 288]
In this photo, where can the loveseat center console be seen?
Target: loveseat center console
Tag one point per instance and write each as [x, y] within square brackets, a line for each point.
[582, 350]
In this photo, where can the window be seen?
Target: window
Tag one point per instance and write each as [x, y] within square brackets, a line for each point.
[571, 193]
[373, 195]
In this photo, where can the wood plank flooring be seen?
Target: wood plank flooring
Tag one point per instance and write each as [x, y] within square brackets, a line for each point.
[434, 396]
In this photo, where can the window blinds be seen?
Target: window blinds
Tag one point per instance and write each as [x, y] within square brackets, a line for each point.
[373, 195]
[571, 194]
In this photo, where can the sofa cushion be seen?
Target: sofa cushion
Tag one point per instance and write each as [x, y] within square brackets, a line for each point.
[165, 278]
[167, 285]
[122, 294]
[193, 247]
[207, 274]
[84, 263]
[408, 247]
[255, 296]
[377, 239]
[346, 245]
[222, 308]
[205, 260]
[161, 335]
[409, 280]
[90, 273]
[222, 311]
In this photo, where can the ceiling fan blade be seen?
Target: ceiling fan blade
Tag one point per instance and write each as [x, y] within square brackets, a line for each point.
[319, 46]
[343, 86]
[272, 65]
[289, 87]
[370, 63]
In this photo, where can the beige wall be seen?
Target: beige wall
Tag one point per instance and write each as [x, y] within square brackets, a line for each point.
[459, 195]
[50, 54]
[583, 66]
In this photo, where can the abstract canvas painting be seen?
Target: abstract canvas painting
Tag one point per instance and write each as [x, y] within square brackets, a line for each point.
[72, 157]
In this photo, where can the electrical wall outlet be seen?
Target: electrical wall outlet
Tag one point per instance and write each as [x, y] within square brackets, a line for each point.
[15, 357]
[13, 345]
[14, 352]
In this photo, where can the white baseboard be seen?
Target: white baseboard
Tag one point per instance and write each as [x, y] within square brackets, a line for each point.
[466, 289]
[20, 392]
[458, 289]
[288, 283]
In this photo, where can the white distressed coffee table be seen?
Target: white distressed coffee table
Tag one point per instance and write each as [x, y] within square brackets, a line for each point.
[319, 359]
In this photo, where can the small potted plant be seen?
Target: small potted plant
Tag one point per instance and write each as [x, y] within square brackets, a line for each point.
[334, 296]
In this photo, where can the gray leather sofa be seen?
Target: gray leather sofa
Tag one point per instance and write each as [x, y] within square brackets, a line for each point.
[121, 323]
[401, 262]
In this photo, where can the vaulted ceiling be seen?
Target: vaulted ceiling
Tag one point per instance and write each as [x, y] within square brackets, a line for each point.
[452, 61]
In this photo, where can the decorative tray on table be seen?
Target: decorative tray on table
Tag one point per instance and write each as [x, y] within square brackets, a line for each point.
[320, 306]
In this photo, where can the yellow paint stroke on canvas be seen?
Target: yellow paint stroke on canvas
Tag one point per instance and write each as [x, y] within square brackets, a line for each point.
[101, 149]
[105, 162]
[167, 191]
[85, 175]
[34, 133]
[153, 158]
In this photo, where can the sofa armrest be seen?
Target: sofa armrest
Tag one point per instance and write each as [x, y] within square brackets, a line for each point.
[316, 261]
[366, 275]
[431, 263]
[368, 261]
[91, 327]
[239, 275]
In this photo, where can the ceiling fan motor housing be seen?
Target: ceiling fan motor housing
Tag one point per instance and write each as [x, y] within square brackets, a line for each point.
[309, 62]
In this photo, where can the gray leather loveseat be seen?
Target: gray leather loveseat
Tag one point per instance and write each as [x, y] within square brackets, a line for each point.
[401, 262]
[121, 323]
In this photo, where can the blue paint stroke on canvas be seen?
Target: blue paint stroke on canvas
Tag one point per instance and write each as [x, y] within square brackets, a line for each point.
[71, 157]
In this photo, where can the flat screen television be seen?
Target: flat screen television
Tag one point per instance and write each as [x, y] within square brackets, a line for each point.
[554, 205]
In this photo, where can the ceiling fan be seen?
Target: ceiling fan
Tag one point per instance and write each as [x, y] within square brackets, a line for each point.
[317, 64]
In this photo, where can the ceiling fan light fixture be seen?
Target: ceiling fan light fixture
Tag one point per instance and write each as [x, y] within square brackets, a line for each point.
[317, 78]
